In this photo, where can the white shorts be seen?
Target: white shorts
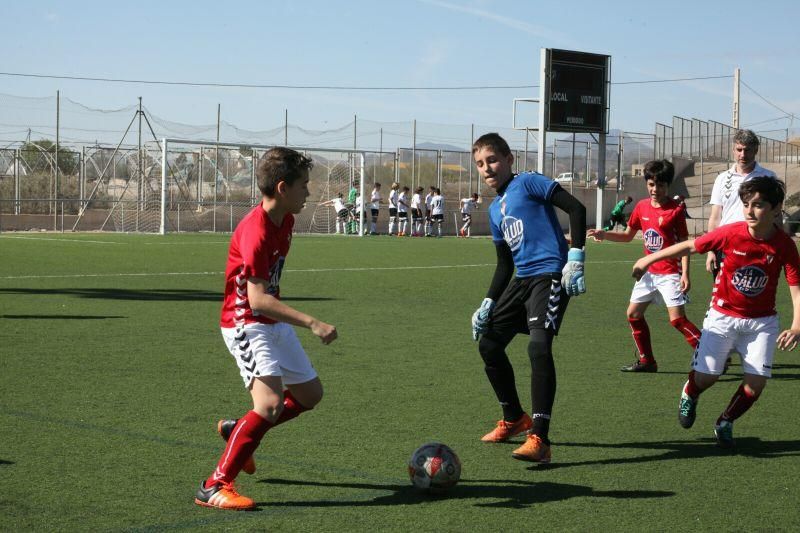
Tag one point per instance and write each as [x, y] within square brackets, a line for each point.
[664, 289]
[268, 350]
[753, 338]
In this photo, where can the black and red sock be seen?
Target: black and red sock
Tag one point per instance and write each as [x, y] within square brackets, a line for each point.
[741, 401]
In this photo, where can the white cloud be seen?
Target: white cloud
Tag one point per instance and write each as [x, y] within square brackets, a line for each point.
[532, 29]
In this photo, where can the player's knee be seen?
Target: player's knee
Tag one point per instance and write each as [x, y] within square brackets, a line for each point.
[540, 347]
[269, 409]
[491, 350]
[754, 388]
[635, 314]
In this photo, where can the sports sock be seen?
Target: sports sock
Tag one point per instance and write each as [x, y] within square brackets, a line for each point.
[691, 388]
[244, 440]
[641, 336]
[543, 381]
[501, 377]
[741, 401]
[689, 330]
[291, 408]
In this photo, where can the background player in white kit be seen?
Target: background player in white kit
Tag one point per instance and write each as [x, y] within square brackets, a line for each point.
[402, 211]
[742, 314]
[468, 205]
[342, 213]
[393, 208]
[437, 212]
[428, 222]
[416, 212]
[374, 208]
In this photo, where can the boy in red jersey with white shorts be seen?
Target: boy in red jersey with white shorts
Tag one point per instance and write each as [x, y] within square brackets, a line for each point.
[256, 325]
[663, 223]
[742, 315]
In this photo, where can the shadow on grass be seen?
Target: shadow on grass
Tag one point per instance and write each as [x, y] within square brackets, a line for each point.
[735, 373]
[145, 294]
[4, 462]
[512, 494]
[696, 449]
[59, 317]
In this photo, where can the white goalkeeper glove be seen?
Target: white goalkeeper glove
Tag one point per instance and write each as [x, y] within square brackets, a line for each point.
[481, 318]
[572, 274]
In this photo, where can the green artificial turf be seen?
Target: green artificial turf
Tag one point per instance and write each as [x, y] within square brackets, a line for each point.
[113, 374]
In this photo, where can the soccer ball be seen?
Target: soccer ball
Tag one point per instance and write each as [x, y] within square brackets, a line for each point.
[434, 467]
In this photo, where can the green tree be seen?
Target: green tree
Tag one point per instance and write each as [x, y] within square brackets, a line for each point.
[39, 156]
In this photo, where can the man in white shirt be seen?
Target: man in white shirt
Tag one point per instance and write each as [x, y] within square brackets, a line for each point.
[726, 207]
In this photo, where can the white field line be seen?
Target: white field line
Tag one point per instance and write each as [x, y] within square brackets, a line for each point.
[352, 269]
[76, 241]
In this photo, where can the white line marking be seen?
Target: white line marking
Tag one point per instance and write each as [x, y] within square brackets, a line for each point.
[78, 241]
[352, 269]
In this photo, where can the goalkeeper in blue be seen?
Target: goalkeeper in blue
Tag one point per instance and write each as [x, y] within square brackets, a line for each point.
[528, 238]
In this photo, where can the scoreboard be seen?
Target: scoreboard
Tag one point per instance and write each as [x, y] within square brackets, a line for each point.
[576, 91]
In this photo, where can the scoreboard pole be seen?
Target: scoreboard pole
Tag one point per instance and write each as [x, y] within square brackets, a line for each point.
[544, 89]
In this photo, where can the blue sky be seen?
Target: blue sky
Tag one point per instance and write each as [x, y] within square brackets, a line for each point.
[420, 43]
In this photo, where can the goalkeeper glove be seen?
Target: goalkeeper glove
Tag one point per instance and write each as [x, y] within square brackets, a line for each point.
[572, 275]
[481, 317]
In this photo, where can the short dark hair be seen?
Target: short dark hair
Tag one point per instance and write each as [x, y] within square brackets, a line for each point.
[628, 199]
[746, 138]
[771, 189]
[659, 170]
[493, 141]
[280, 164]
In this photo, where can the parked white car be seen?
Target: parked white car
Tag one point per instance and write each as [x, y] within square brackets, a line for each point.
[566, 177]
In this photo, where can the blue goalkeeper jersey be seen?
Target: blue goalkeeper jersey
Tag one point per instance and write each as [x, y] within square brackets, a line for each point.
[524, 218]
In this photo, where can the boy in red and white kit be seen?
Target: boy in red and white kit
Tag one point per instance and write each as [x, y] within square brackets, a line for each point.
[742, 315]
[256, 325]
[663, 223]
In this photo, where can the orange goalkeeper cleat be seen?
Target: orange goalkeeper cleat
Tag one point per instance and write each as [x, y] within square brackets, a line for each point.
[222, 496]
[225, 428]
[534, 450]
[506, 430]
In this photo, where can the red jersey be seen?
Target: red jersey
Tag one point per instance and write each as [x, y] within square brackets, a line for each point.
[258, 249]
[661, 227]
[748, 279]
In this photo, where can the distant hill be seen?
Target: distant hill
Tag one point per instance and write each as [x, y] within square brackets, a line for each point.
[441, 146]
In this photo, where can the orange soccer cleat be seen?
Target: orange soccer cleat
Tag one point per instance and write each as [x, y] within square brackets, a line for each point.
[222, 496]
[506, 430]
[534, 450]
[225, 428]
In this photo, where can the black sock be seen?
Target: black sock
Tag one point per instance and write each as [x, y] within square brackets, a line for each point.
[543, 381]
[501, 376]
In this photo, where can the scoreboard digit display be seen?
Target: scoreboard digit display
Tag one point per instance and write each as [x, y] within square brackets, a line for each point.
[577, 92]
